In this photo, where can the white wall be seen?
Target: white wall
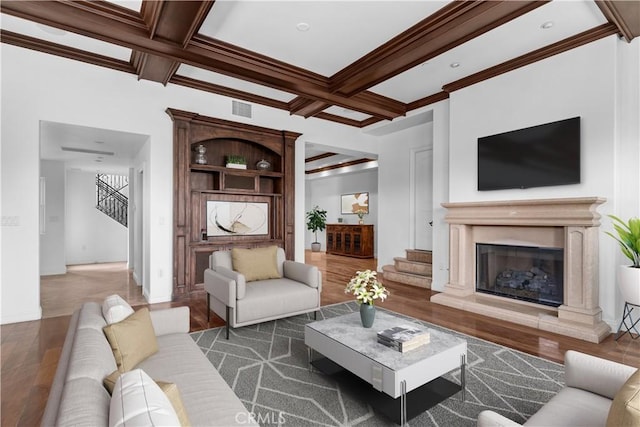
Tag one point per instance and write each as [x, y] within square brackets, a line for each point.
[90, 235]
[581, 82]
[52, 247]
[394, 177]
[326, 192]
[77, 93]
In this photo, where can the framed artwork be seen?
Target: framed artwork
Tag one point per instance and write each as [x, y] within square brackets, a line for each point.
[237, 218]
[352, 203]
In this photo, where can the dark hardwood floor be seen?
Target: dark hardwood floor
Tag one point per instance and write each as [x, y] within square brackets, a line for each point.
[30, 350]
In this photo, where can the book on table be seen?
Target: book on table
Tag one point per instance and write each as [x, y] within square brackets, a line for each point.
[403, 337]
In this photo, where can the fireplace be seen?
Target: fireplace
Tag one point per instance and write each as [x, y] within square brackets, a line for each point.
[526, 273]
[559, 293]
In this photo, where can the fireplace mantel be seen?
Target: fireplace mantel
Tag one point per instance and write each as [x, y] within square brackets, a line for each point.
[570, 223]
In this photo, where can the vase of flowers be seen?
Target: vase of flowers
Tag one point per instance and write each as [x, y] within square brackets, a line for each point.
[366, 288]
[361, 213]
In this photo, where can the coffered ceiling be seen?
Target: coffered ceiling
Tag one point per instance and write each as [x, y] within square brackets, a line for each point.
[354, 62]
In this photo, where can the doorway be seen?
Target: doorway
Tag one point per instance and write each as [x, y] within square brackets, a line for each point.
[422, 182]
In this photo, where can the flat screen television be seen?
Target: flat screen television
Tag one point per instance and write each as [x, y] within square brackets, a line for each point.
[538, 156]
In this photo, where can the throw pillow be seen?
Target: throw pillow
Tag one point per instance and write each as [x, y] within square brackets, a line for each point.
[625, 408]
[132, 340]
[172, 392]
[256, 264]
[138, 400]
[115, 309]
[110, 380]
[170, 389]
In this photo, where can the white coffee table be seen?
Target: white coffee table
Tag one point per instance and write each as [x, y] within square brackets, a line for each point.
[344, 341]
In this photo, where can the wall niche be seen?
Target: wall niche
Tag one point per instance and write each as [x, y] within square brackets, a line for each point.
[218, 207]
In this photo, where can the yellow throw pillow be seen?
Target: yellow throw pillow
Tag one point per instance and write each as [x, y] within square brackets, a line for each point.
[256, 264]
[132, 340]
[109, 381]
[172, 392]
[625, 408]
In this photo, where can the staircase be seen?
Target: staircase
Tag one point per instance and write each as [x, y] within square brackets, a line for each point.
[414, 270]
[110, 199]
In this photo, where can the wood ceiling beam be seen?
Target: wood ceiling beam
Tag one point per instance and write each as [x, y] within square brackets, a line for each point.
[228, 92]
[339, 165]
[624, 14]
[117, 25]
[451, 26]
[319, 157]
[175, 22]
[569, 43]
[306, 107]
[44, 46]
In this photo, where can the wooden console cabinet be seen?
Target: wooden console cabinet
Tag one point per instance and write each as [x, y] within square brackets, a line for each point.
[354, 240]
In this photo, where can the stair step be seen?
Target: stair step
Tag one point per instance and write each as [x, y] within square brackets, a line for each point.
[413, 267]
[419, 255]
[389, 272]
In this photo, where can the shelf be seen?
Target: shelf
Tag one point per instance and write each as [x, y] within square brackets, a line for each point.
[242, 172]
[239, 192]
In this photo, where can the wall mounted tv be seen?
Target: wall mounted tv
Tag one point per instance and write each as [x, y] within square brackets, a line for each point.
[538, 156]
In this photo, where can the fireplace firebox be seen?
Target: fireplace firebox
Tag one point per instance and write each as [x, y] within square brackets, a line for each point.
[533, 274]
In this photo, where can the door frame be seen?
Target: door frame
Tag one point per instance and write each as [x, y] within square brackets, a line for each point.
[412, 192]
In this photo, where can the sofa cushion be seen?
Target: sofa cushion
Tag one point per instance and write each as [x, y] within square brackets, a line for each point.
[138, 400]
[256, 264]
[132, 340]
[207, 397]
[625, 409]
[271, 298]
[115, 309]
[572, 407]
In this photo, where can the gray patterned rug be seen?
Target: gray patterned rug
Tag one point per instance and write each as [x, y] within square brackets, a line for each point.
[267, 367]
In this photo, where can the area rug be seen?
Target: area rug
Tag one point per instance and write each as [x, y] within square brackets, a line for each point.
[267, 367]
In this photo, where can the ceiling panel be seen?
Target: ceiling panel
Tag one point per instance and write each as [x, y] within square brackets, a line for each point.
[65, 38]
[515, 38]
[339, 32]
[233, 83]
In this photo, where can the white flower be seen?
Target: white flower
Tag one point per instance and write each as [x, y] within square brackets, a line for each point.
[366, 288]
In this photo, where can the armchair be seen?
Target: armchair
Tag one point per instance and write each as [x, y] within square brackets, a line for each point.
[288, 288]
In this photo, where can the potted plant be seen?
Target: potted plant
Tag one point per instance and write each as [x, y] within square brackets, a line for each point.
[236, 162]
[628, 236]
[316, 221]
[366, 288]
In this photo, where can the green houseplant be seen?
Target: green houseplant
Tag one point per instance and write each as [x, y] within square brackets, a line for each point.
[628, 236]
[316, 221]
[236, 162]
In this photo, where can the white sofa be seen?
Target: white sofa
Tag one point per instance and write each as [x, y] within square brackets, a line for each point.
[591, 383]
[240, 302]
[79, 398]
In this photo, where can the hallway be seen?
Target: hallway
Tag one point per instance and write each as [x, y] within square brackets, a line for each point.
[61, 294]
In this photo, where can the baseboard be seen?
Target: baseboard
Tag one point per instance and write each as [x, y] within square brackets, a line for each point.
[22, 317]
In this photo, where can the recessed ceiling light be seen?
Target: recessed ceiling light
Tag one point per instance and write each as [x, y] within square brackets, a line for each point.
[454, 65]
[303, 26]
[547, 25]
[99, 142]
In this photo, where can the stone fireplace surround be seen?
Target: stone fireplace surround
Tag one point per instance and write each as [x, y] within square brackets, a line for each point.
[571, 224]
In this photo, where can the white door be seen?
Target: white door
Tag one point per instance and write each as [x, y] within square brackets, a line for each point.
[423, 199]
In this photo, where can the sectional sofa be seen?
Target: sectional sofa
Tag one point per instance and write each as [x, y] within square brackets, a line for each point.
[78, 395]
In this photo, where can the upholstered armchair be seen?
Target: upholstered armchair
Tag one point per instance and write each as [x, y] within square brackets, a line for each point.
[249, 286]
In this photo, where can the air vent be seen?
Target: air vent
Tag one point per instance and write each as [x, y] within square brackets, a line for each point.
[241, 109]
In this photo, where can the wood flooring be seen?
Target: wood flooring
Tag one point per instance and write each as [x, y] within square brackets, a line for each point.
[30, 350]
